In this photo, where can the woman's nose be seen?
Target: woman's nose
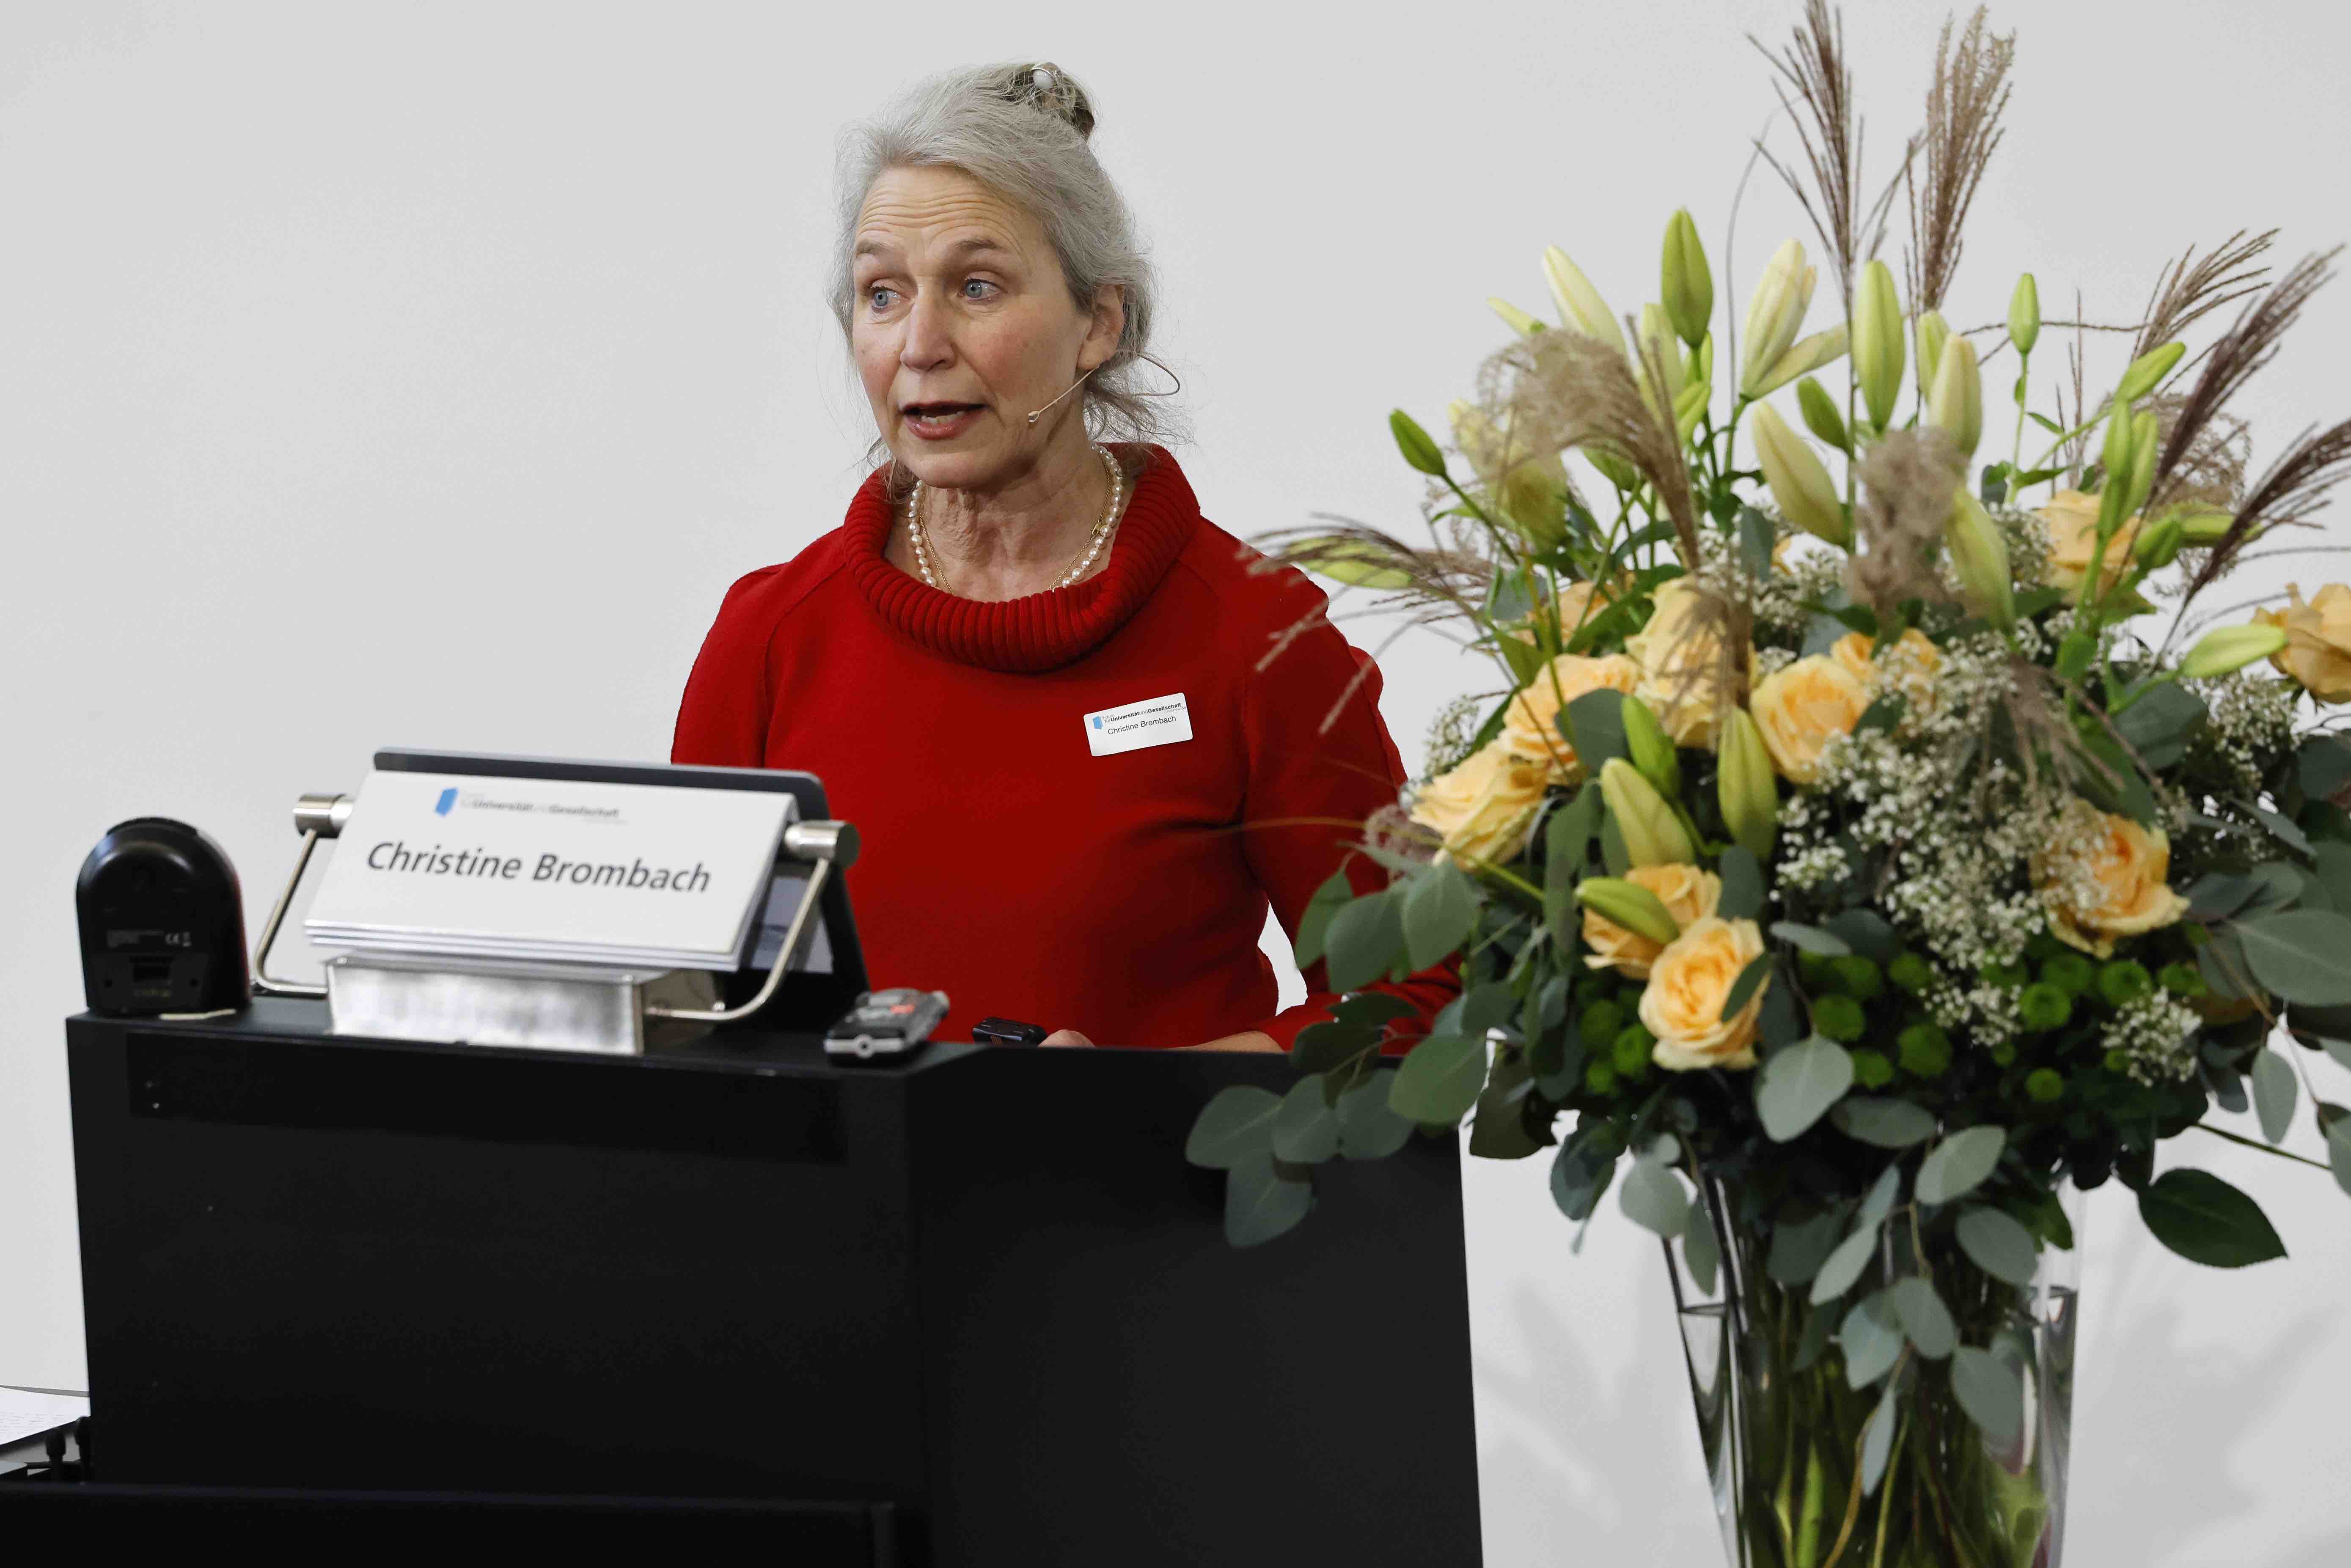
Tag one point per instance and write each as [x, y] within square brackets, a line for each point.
[930, 339]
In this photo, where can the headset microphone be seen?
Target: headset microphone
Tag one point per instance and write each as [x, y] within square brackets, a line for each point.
[1065, 392]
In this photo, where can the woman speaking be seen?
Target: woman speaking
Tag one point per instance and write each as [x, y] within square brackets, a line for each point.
[1025, 664]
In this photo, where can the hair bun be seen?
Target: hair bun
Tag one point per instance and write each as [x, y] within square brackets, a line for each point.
[1050, 88]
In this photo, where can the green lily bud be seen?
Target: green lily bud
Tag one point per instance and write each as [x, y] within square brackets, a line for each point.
[1651, 748]
[1980, 557]
[1690, 407]
[1517, 320]
[1775, 313]
[2158, 546]
[2121, 447]
[1701, 366]
[1878, 350]
[1931, 332]
[2227, 648]
[2144, 428]
[1800, 483]
[1801, 357]
[1955, 405]
[2024, 314]
[1653, 834]
[1746, 785]
[1688, 284]
[1414, 443]
[2204, 528]
[1581, 308]
[1821, 415]
[1629, 905]
[2146, 372]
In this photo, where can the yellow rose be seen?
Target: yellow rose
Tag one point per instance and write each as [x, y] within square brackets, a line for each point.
[1681, 653]
[2107, 877]
[2317, 651]
[1802, 708]
[1688, 982]
[1688, 895]
[1482, 807]
[1579, 602]
[1907, 668]
[2072, 519]
[1531, 731]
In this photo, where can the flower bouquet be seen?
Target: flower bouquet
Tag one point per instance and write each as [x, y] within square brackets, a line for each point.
[1873, 843]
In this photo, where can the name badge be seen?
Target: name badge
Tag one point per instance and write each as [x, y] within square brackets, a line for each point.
[1155, 721]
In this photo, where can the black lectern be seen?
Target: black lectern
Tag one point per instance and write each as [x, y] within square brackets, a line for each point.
[980, 1296]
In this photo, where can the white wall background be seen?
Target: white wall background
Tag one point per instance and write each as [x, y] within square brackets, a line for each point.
[424, 373]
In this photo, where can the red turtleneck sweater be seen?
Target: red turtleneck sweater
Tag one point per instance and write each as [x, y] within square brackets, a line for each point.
[1004, 863]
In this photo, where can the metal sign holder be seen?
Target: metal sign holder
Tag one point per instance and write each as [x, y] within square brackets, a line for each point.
[482, 1001]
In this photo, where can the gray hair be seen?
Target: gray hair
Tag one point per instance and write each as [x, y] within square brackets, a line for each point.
[1021, 131]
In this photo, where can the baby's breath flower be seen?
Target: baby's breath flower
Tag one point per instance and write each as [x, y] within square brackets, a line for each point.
[2157, 1037]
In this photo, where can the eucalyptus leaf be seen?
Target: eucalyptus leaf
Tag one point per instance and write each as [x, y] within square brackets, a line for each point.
[1314, 921]
[2218, 894]
[1328, 1046]
[1810, 938]
[1866, 931]
[2206, 1220]
[1925, 1321]
[1843, 1268]
[2334, 858]
[1613, 853]
[1742, 884]
[2324, 766]
[2274, 1092]
[1959, 1165]
[1799, 1249]
[1439, 906]
[2160, 723]
[1595, 724]
[1484, 1007]
[1999, 1245]
[1261, 1203]
[2300, 955]
[1368, 1129]
[1990, 1392]
[1757, 539]
[1885, 1124]
[1581, 1172]
[1742, 989]
[2338, 1153]
[2284, 830]
[1653, 1199]
[1439, 1080]
[2340, 1050]
[1871, 1339]
[1235, 1125]
[1798, 1083]
[1363, 940]
[1883, 1194]
[1305, 1128]
[1877, 1442]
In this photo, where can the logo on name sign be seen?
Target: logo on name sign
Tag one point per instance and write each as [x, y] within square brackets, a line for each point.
[447, 803]
[1155, 721]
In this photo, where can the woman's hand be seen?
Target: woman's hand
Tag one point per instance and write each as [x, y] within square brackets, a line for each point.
[1065, 1037]
[1247, 1040]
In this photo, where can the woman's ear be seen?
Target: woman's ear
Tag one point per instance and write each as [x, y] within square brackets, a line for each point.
[1108, 326]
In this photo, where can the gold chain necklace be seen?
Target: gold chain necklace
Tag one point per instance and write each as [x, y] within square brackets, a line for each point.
[1095, 541]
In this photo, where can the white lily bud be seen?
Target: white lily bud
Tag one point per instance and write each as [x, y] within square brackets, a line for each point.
[1799, 481]
[1955, 401]
[1775, 313]
[1581, 308]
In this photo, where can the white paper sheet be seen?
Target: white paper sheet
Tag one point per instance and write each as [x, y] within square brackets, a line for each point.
[25, 1413]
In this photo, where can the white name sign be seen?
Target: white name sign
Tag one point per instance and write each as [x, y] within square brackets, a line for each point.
[535, 868]
[1155, 721]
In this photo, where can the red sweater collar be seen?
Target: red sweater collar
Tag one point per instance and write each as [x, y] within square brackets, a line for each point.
[1041, 630]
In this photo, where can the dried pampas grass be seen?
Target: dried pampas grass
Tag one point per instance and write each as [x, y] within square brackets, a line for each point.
[1963, 110]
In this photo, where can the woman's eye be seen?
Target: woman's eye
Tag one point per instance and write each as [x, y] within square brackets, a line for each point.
[977, 288]
[879, 298]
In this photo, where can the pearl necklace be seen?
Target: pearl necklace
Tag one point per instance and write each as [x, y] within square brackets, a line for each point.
[1077, 569]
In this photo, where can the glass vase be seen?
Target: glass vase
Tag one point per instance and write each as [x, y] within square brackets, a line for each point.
[1782, 1429]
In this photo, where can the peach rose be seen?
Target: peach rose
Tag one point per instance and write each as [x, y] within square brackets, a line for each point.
[1578, 602]
[1681, 664]
[2072, 519]
[1802, 708]
[1907, 669]
[2108, 878]
[1688, 982]
[1531, 729]
[2318, 652]
[1688, 895]
[1481, 807]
